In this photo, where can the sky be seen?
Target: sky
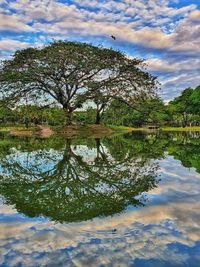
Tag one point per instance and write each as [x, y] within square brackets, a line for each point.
[164, 33]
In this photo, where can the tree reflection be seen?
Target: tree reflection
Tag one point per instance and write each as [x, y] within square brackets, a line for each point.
[186, 148]
[74, 182]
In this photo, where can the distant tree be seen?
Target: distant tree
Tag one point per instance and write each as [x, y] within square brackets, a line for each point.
[7, 115]
[69, 73]
[195, 101]
[182, 105]
[142, 111]
[155, 111]
[53, 115]
[28, 114]
[85, 117]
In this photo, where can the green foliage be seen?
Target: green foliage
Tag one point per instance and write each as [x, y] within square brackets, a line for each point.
[32, 115]
[53, 116]
[186, 107]
[195, 100]
[151, 111]
[70, 73]
[7, 115]
[182, 103]
[85, 117]
[55, 175]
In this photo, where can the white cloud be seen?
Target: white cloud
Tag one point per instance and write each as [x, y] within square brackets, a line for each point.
[175, 74]
[153, 27]
[12, 23]
[11, 45]
[159, 65]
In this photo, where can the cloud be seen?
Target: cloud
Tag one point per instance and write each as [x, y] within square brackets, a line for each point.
[9, 45]
[173, 68]
[158, 65]
[175, 74]
[12, 23]
[195, 15]
[151, 28]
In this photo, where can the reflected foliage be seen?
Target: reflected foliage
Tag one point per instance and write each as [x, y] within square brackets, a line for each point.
[186, 148]
[74, 180]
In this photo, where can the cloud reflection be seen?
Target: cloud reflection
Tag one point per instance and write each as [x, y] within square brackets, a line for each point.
[158, 232]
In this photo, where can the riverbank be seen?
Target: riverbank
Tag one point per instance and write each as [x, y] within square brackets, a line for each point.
[45, 131]
[181, 129]
[121, 128]
[167, 129]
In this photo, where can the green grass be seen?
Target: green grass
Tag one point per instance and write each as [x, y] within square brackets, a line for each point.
[8, 128]
[120, 128]
[167, 128]
[181, 129]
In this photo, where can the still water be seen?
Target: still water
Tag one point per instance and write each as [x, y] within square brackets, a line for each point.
[122, 200]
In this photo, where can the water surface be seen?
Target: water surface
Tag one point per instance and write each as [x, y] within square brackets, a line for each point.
[125, 200]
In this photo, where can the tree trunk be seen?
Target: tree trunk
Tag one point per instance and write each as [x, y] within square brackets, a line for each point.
[184, 120]
[98, 117]
[26, 123]
[68, 116]
[100, 109]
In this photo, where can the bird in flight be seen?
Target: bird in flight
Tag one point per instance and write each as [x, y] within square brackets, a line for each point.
[113, 37]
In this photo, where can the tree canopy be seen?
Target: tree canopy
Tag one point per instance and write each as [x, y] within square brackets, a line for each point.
[186, 105]
[69, 73]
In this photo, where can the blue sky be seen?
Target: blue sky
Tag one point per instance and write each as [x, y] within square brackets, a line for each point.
[165, 33]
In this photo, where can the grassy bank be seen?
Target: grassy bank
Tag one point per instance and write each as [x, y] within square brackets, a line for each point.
[67, 131]
[181, 129]
[16, 127]
[167, 129]
[121, 128]
[171, 129]
[89, 130]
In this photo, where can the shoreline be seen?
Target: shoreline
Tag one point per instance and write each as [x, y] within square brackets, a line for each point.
[45, 131]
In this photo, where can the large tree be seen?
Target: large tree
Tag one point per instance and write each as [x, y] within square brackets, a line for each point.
[137, 114]
[69, 73]
[127, 82]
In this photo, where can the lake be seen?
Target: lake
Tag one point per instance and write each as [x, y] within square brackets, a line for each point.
[123, 200]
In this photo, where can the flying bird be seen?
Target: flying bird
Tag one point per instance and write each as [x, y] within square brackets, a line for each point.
[113, 37]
